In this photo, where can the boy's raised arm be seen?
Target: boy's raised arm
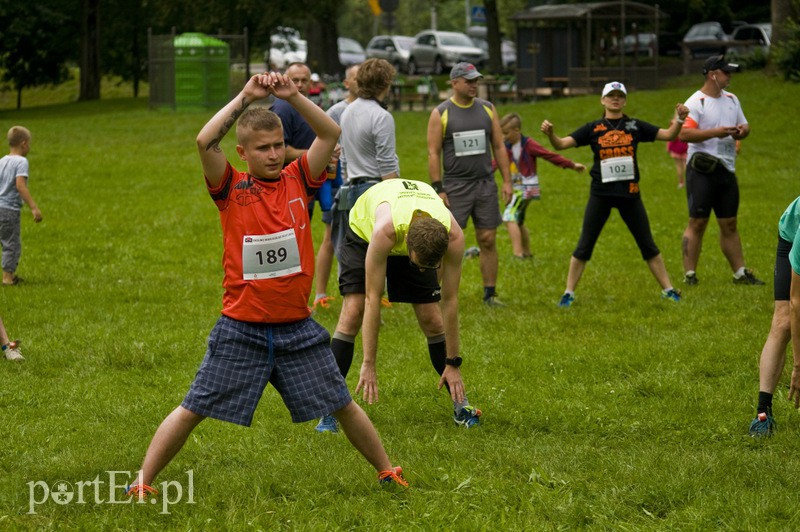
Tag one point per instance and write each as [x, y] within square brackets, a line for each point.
[208, 140]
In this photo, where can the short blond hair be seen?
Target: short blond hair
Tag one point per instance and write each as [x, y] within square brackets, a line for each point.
[512, 120]
[256, 119]
[17, 135]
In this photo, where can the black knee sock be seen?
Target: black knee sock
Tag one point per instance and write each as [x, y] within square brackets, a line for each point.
[437, 349]
[764, 403]
[343, 346]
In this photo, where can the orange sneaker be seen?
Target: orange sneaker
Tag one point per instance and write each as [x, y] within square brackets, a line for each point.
[392, 476]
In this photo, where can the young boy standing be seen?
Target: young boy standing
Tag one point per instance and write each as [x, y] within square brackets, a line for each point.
[13, 192]
[522, 154]
[265, 333]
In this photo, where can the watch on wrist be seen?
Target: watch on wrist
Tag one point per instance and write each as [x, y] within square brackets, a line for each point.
[455, 362]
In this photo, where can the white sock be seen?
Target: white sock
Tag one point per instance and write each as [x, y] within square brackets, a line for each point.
[739, 272]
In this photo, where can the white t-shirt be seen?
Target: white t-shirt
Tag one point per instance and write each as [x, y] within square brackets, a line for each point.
[706, 112]
[11, 167]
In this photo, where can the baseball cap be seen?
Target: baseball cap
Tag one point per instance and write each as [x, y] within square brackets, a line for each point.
[614, 86]
[718, 62]
[465, 70]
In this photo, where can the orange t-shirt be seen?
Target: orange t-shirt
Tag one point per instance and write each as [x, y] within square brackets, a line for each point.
[268, 254]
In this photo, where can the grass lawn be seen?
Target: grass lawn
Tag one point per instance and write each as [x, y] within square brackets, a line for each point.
[624, 411]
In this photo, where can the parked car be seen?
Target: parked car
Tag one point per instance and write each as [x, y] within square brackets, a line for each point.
[350, 51]
[286, 47]
[759, 34]
[641, 44]
[437, 51]
[508, 50]
[393, 48]
[707, 31]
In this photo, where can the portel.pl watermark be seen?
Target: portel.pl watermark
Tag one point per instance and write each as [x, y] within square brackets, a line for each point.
[109, 491]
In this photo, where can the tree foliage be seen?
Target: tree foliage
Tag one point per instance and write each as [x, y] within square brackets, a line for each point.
[36, 41]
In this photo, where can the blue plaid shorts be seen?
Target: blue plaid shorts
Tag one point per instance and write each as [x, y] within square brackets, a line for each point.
[242, 357]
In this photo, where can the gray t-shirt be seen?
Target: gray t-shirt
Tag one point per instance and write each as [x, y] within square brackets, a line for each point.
[368, 140]
[11, 167]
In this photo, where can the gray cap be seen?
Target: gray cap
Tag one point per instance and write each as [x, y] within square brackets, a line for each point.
[465, 70]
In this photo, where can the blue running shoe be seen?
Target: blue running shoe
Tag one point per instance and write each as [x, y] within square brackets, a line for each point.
[467, 416]
[471, 253]
[328, 424]
[566, 300]
[763, 426]
[673, 294]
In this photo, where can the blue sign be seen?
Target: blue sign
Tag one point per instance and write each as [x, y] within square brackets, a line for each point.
[478, 15]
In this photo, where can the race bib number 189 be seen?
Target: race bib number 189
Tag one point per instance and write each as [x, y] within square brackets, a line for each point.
[270, 256]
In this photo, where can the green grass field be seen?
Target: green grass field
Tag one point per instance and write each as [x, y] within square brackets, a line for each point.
[623, 412]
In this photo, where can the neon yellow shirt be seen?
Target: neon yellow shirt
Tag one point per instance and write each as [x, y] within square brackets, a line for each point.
[404, 197]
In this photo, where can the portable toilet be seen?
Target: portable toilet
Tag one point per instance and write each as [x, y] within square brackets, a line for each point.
[202, 71]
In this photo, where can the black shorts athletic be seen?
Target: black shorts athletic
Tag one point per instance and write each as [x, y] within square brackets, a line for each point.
[405, 283]
[716, 192]
[783, 270]
[633, 214]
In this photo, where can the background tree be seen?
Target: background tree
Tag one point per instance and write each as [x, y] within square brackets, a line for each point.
[90, 51]
[36, 41]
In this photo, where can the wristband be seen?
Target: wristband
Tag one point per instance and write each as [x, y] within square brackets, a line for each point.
[438, 186]
[678, 120]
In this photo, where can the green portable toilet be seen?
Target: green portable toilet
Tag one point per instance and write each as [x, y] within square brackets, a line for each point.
[202, 71]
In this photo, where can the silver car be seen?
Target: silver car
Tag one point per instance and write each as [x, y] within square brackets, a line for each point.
[438, 51]
[393, 48]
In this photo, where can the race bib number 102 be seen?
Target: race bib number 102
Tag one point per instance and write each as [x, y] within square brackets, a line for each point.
[270, 256]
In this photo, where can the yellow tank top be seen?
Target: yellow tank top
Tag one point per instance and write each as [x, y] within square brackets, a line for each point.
[404, 197]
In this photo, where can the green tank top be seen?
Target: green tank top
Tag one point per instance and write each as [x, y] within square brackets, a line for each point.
[404, 197]
[789, 229]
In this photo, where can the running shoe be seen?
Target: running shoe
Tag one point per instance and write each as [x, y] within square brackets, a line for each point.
[763, 425]
[672, 294]
[748, 278]
[392, 476]
[12, 352]
[467, 416]
[493, 301]
[472, 252]
[140, 491]
[690, 279]
[385, 302]
[323, 302]
[327, 424]
[566, 300]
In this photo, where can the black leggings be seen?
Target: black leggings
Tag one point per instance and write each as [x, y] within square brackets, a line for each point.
[633, 214]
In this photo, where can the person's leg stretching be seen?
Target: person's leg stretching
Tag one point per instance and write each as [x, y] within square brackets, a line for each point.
[773, 355]
[324, 264]
[166, 442]
[362, 434]
[594, 219]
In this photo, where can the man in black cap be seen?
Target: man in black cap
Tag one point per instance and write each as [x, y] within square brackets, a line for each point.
[463, 131]
[714, 126]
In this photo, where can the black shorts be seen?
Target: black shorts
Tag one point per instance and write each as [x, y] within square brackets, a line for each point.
[632, 212]
[716, 192]
[405, 283]
[783, 271]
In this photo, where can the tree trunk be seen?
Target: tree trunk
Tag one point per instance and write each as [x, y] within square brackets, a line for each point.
[321, 34]
[493, 37]
[19, 98]
[781, 11]
[90, 51]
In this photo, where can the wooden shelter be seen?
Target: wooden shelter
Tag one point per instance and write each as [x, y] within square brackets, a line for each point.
[576, 48]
